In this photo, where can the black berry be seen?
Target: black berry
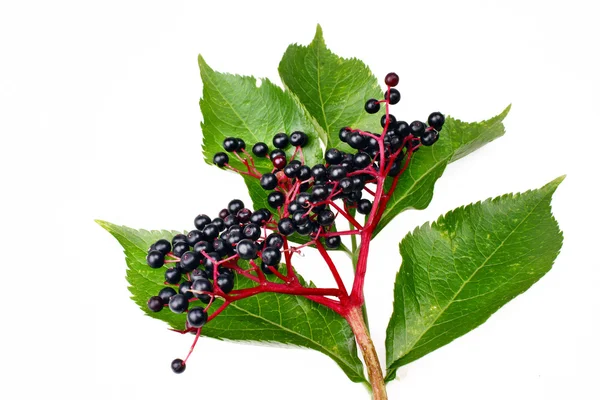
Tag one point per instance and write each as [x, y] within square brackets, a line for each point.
[436, 120]
[197, 317]
[275, 199]
[364, 206]
[281, 140]
[163, 245]
[333, 242]
[394, 96]
[333, 156]
[417, 128]
[429, 137]
[190, 260]
[220, 159]
[178, 366]
[235, 205]
[230, 144]
[274, 240]
[268, 181]
[201, 221]
[372, 106]
[178, 303]
[155, 259]
[299, 138]
[247, 249]
[357, 141]
[166, 293]
[226, 282]
[260, 149]
[326, 218]
[285, 226]
[155, 303]
[201, 287]
[172, 276]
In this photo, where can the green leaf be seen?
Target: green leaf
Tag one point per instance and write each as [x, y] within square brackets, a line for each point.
[457, 139]
[266, 318]
[331, 88]
[459, 270]
[234, 105]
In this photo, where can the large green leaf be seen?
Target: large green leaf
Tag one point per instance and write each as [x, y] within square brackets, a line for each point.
[457, 139]
[234, 105]
[287, 319]
[333, 89]
[459, 270]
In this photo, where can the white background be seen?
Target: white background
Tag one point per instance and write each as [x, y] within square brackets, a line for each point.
[98, 106]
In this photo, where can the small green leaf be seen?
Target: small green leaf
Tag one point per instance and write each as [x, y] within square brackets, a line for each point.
[234, 105]
[266, 318]
[457, 139]
[331, 88]
[459, 270]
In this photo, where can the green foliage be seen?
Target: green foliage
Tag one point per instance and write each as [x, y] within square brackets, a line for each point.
[267, 318]
[459, 270]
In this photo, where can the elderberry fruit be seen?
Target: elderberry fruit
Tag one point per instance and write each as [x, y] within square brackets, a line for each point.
[319, 193]
[285, 226]
[299, 218]
[155, 303]
[333, 156]
[305, 229]
[392, 79]
[429, 137]
[395, 168]
[275, 199]
[244, 215]
[337, 172]
[220, 159]
[319, 172]
[166, 293]
[222, 214]
[303, 199]
[357, 141]
[326, 218]
[190, 260]
[260, 149]
[281, 140]
[274, 240]
[163, 245]
[198, 274]
[185, 288]
[344, 134]
[225, 282]
[279, 162]
[230, 144]
[364, 206]
[231, 220]
[346, 185]
[292, 169]
[197, 317]
[234, 206]
[247, 249]
[299, 139]
[220, 247]
[417, 128]
[178, 303]
[241, 144]
[201, 221]
[268, 181]
[172, 276]
[178, 366]
[251, 231]
[333, 242]
[155, 259]
[361, 160]
[201, 289]
[372, 106]
[304, 173]
[386, 118]
[180, 237]
[219, 223]
[436, 120]
[194, 236]
[211, 231]
[271, 256]
[210, 262]
[393, 96]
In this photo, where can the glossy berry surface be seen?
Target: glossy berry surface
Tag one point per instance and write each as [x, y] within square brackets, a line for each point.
[179, 303]
[299, 139]
[247, 249]
[392, 79]
[372, 106]
[221, 159]
[155, 259]
[155, 304]
[281, 141]
[260, 149]
[230, 144]
[197, 317]
[436, 120]
[178, 366]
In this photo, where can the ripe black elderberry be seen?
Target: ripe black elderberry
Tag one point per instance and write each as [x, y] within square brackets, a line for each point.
[201, 221]
[166, 293]
[333, 156]
[220, 159]
[364, 206]
[190, 260]
[333, 242]
[180, 237]
[197, 317]
[299, 138]
[201, 287]
[275, 199]
[299, 218]
[185, 289]
[319, 172]
[372, 106]
[436, 120]
[281, 140]
[344, 134]
[429, 137]
[179, 303]
[219, 223]
[225, 282]
[274, 240]
[231, 220]
[357, 141]
[268, 181]
[230, 144]
[305, 229]
[211, 231]
[178, 366]
[172, 276]
[361, 160]
[319, 193]
[394, 96]
[285, 226]
[163, 246]
[251, 231]
[235, 205]
[271, 256]
[385, 118]
[337, 172]
[326, 218]
[247, 249]
[267, 268]
[260, 149]
[155, 303]
[155, 259]
[392, 79]
[304, 173]
[194, 236]
[241, 144]
[417, 128]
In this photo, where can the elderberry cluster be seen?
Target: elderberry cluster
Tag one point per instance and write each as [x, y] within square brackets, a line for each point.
[304, 200]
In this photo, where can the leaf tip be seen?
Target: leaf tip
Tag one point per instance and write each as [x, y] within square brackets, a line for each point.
[553, 184]
[319, 35]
